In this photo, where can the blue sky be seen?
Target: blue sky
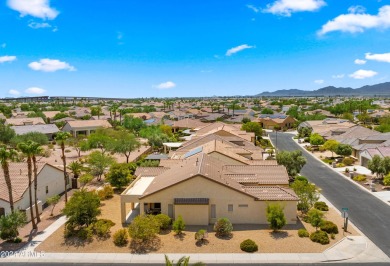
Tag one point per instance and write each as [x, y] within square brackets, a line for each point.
[126, 48]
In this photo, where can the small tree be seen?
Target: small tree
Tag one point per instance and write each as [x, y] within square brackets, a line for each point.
[375, 165]
[179, 225]
[223, 227]
[144, 227]
[82, 209]
[344, 150]
[293, 161]
[201, 235]
[331, 145]
[252, 127]
[316, 139]
[307, 193]
[98, 162]
[52, 201]
[275, 216]
[119, 175]
[304, 132]
[315, 217]
[9, 225]
[386, 165]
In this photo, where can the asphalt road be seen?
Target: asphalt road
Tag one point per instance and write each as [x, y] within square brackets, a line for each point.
[369, 214]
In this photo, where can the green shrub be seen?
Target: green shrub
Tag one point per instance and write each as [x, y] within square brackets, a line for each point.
[143, 227]
[121, 237]
[223, 227]
[109, 191]
[249, 245]
[322, 206]
[386, 180]
[179, 225]
[340, 165]
[320, 237]
[360, 178]
[17, 240]
[85, 233]
[163, 220]
[200, 235]
[348, 161]
[329, 227]
[102, 227]
[69, 230]
[303, 232]
[332, 236]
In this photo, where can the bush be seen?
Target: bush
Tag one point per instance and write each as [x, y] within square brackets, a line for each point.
[249, 246]
[201, 235]
[320, 237]
[303, 233]
[275, 216]
[348, 161]
[346, 170]
[360, 178]
[163, 220]
[223, 227]
[179, 225]
[340, 165]
[322, 206]
[69, 230]
[329, 227]
[386, 180]
[332, 236]
[17, 240]
[144, 227]
[121, 237]
[106, 192]
[102, 227]
[85, 233]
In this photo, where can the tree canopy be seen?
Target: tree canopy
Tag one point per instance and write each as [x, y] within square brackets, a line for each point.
[292, 160]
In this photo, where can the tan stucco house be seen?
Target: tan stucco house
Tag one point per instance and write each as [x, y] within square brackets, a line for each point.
[202, 189]
[84, 127]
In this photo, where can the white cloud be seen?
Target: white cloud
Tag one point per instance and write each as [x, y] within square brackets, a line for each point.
[357, 9]
[7, 58]
[360, 62]
[165, 85]
[379, 57]
[50, 65]
[36, 8]
[286, 7]
[36, 25]
[3, 45]
[362, 74]
[13, 92]
[358, 21]
[35, 90]
[253, 8]
[237, 49]
[338, 76]
[319, 81]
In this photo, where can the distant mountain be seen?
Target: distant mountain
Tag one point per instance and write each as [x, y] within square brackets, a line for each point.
[368, 90]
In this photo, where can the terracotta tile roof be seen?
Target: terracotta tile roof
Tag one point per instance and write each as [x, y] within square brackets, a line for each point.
[260, 174]
[89, 123]
[150, 171]
[188, 123]
[45, 129]
[275, 193]
[19, 180]
[23, 121]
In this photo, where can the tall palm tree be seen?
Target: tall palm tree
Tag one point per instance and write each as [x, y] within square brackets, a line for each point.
[27, 148]
[5, 157]
[61, 137]
[36, 149]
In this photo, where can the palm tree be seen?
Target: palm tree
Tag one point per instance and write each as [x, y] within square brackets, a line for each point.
[62, 137]
[27, 148]
[35, 150]
[5, 157]
[76, 167]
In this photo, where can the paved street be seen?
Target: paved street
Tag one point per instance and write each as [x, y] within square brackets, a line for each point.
[369, 214]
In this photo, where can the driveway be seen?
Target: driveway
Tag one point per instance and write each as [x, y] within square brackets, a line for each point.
[369, 214]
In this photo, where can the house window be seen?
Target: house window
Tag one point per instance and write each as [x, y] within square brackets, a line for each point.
[47, 189]
[230, 207]
[243, 205]
[213, 211]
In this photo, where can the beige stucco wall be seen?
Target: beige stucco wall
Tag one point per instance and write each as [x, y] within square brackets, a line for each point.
[48, 176]
[193, 214]
[221, 196]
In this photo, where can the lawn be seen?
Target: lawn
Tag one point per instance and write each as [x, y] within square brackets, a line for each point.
[285, 241]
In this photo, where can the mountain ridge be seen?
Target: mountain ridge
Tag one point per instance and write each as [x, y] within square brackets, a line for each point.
[380, 89]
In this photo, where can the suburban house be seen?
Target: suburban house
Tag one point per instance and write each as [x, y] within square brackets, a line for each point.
[328, 126]
[24, 121]
[49, 130]
[84, 127]
[367, 154]
[270, 121]
[187, 123]
[202, 189]
[50, 183]
[223, 129]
